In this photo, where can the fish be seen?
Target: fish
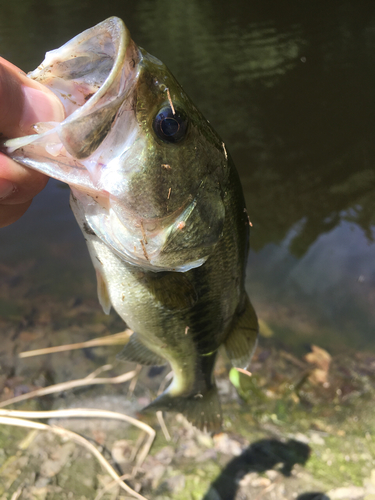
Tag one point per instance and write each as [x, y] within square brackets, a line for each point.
[161, 207]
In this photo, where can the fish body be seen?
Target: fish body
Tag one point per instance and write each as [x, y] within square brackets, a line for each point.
[160, 205]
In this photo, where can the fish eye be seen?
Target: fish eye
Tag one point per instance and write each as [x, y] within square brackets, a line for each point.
[170, 126]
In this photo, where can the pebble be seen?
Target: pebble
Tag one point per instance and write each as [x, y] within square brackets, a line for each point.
[348, 493]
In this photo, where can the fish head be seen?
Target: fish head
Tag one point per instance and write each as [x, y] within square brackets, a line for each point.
[148, 173]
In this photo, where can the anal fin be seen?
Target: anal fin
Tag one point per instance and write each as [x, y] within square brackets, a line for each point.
[137, 352]
[242, 340]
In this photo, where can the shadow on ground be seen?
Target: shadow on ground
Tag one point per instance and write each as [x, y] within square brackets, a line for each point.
[261, 456]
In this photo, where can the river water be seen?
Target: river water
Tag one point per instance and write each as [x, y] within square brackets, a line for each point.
[289, 85]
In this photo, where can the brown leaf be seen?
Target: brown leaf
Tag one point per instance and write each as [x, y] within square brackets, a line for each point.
[319, 357]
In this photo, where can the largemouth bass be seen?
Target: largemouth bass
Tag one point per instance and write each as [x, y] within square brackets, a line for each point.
[160, 205]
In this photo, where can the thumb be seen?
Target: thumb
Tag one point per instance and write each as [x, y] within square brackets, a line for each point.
[24, 102]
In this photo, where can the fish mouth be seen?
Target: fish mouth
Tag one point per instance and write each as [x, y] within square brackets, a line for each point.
[93, 75]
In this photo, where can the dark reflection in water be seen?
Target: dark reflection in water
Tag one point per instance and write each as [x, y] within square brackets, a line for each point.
[290, 87]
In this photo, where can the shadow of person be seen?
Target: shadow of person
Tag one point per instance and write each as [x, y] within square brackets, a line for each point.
[261, 456]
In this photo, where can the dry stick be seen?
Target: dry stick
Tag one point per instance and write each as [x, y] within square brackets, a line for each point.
[96, 372]
[69, 385]
[110, 486]
[92, 413]
[159, 416]
[64, 433]
[134, 381]
[115, 339]
[17, 494]
[170, 102]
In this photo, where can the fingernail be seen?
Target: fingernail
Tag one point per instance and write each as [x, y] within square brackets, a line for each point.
[40, 106]
[6, 188]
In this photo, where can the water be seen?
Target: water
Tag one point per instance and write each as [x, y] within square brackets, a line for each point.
[290, 90]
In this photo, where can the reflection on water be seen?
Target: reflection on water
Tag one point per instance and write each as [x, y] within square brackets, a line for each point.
[290, 89]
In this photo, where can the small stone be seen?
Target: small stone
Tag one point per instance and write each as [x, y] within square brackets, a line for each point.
[165, 455]
[224, 444]
[121, 451]
[175, 483]
[302, 438]
[155, 474]
[261, 482]
[350, 492]
[316, 438]
[272, 474]
[248, 479]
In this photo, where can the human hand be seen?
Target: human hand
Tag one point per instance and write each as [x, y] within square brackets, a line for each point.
[23, 102]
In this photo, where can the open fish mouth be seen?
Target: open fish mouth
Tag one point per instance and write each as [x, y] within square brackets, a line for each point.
[95, 76]
[92, 75]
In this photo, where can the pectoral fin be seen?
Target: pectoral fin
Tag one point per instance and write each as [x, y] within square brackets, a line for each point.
[242, 340]
[137, 352]
[103, 294]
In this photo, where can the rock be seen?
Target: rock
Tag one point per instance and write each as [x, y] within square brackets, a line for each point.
[348, 493]
[224, 444]
[121, 451]
[58, 459]
[175, 483]
[165, 455]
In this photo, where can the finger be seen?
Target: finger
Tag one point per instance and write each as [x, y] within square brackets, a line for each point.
[24, 102]
[18, 184]
[11, 213]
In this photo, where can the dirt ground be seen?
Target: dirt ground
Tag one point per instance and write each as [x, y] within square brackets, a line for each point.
[300, 427]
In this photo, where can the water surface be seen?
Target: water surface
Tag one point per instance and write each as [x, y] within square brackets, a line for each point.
[290, 88]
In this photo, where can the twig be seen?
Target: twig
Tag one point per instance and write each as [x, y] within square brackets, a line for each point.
[96, 372]
[64, 433]
[166, 379]
[159, 416]
[134, 380]
[91, 413]
[17, 494]
[64, 386]
[134, 453]
[110, 486]
[170, 102]
[115, 339]
[225, 151]
[245, 372]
